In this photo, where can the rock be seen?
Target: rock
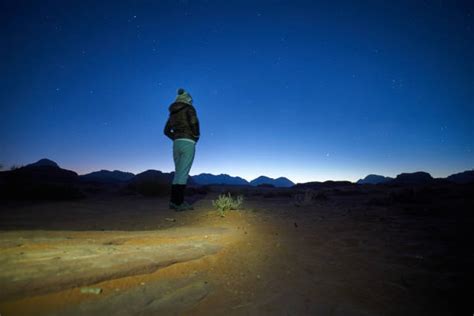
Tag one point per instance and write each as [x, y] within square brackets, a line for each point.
[91, 257]
[91, 290]
[164, 297]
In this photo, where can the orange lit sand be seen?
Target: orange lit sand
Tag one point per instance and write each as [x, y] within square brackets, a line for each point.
[280, 259]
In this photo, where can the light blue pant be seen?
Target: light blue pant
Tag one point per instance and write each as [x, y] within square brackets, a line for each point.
[183, 156]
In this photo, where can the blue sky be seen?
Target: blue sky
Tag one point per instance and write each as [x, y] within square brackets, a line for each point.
[302, 89]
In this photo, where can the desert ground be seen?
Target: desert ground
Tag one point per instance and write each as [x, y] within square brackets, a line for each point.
[366, 250]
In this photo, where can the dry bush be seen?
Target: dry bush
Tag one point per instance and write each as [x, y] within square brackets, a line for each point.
[225, 203]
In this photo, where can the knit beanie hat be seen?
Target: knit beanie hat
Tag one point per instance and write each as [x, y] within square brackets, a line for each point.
[184, 97]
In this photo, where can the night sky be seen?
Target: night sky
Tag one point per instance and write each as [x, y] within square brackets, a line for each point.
[310, 91]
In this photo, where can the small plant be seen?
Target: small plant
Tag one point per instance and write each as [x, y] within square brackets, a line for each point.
[225, 203]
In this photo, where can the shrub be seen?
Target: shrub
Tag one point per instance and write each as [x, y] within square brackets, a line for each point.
[225, 203]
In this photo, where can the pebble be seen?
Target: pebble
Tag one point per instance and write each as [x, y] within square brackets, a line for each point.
[91, 290]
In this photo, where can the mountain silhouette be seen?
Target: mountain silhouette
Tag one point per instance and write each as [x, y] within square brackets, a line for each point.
[208, 178]
[326, 184]
[374, 179]
[42, 180]
[157, 177]
[46, 170]
[106, 176]
[281, 182]
[462, 177]
[419, 177]
[44, 163]
[153, 175]
[43, 170]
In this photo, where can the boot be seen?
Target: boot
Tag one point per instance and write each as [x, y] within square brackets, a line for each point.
[173, 198]
[182, 205]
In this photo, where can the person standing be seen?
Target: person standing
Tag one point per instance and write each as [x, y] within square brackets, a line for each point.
[182, 127]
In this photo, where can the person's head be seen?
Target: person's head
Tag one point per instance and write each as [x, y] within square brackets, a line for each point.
[184, 97]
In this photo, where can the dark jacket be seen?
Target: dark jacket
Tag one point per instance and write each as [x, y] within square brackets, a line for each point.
[182, 122]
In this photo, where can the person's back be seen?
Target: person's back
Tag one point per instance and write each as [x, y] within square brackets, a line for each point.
[183, 122]
[182, 127]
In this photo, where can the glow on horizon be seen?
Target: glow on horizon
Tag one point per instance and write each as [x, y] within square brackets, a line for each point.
[311, 91]
[320, 175]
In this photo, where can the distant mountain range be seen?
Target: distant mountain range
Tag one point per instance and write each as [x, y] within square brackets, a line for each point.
[419, 177]
[43, 163]
[278, 182]
[42, 180]
[43, 170]
[462, 177]
[374, 179]
[46, 169]
[207, 178]
[106, 176]
[156, 176]
[326, 184]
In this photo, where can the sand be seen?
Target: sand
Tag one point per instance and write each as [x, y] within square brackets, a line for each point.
[339, 256]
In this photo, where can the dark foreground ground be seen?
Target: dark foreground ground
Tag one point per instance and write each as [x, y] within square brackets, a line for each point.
[366, 250]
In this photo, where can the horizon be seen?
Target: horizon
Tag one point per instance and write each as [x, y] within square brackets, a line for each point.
[231, 175]
[303, 90]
